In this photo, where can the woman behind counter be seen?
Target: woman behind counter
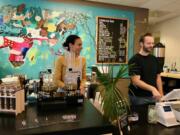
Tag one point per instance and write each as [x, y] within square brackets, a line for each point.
[71, 65]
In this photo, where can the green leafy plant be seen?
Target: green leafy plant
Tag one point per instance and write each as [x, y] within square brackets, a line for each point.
[113, 102]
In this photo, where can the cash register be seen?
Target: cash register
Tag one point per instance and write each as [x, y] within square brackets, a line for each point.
[168, 110]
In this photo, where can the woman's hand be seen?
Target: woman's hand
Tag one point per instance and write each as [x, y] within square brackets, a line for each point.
[82, 90]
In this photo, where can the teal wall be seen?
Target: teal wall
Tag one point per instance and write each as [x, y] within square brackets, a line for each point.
[41, 57]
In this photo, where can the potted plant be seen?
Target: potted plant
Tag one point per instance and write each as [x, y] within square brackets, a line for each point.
[114, 104]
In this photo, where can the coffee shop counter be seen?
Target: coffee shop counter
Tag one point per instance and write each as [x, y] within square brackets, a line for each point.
[171, 80]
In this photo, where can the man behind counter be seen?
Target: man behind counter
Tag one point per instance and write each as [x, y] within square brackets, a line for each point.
[144, 71]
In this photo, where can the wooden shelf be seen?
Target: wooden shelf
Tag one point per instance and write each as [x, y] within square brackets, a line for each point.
[8, 96]
[171, 75]
[8, 110]
[19, 102]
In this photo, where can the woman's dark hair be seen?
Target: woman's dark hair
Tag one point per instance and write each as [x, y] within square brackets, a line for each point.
[70, 39]
[141, 40]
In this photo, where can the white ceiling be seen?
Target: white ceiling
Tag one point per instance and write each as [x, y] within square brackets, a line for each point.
[160, 10]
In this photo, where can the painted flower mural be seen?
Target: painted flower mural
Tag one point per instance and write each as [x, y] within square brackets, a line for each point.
[22, 27]
[32, 33]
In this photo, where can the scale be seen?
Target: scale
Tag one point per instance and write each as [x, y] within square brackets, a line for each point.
[168, 110]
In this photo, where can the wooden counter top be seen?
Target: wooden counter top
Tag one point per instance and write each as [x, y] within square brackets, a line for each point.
[175, 75]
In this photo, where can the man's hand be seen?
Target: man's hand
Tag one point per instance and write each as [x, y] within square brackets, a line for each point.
[156, 94]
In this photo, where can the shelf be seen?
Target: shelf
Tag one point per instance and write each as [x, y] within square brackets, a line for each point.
[8, 110]
[7, 97]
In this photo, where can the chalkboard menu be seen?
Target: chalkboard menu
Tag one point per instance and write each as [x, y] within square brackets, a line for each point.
[112, 40]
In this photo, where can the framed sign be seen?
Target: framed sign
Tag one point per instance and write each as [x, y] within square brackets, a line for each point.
[112, 40]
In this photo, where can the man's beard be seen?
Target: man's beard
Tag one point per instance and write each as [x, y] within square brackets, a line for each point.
[147, 50]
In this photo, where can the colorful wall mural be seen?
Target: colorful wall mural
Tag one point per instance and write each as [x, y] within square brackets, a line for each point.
[32, 33]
